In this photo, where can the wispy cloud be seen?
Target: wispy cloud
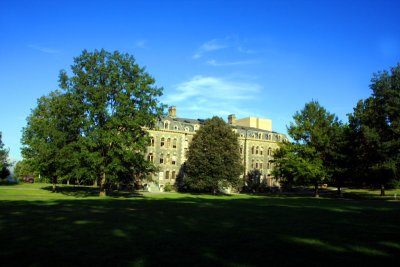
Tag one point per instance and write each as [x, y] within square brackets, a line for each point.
[44, 49]
[141, 44]
[244, 50]
[216, 63]
[208, 95]
[209, 46]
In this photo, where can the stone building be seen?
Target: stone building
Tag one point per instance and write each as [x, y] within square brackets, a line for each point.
[171, 137]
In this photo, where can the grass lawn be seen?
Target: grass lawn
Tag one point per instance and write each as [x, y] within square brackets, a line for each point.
[76, 228]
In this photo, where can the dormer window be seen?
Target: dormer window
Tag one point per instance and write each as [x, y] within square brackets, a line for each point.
[166, 124]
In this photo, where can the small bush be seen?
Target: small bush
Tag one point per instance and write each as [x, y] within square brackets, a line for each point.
[394, 184]
[168, 187]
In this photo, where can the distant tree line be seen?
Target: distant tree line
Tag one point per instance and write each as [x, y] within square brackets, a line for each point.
[366, 151]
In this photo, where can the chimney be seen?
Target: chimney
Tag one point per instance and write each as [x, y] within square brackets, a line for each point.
[232, 119]
[172, 111]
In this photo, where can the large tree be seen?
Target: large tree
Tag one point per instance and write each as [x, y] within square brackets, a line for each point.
[375, 129]
[119, 99]
[51, 138]
[213, 158]
[315, 132]
[111, 102]
[4, 163]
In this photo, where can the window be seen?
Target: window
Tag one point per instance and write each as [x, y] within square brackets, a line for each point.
[252, 164]
[162, 142]
[256, 165]
[168, 142]
[173, 175]
[186, 129]
[261, 165]
[176, 128]
[173, 160]
[150, 157]
[162, 159]
[166, 124]
[269, 152]
[151, 141]
[256, 150]
[174, 143]
[252, 150]
[167, 159]
[167, 175]
[261, 150]
[259, 135]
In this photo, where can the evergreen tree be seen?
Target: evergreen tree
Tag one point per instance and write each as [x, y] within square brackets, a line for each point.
[213, 158]
[375, 129]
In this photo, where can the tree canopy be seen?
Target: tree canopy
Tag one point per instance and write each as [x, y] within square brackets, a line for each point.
[4, 162]
[95, 126]
[310, 159]
[213, 158]
[375, 126]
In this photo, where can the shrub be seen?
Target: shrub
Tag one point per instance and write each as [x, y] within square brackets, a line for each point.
[168, 187]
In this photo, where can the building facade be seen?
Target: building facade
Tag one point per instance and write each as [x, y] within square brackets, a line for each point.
[169, 143]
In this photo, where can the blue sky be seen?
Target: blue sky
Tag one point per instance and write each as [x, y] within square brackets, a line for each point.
[250, 58]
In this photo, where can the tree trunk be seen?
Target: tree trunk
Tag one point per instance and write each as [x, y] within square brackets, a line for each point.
[339, 191]
[382, 190]
[103, 185]
[316, 191]
[54, 181]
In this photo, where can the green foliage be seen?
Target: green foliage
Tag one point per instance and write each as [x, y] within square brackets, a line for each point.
[312, 159]
[4, 163]
[168, 187]
[52, 130]
[213, 158]
[375, 130]
[298, 164]
[96, 128]
[22, 169]
[253, 180]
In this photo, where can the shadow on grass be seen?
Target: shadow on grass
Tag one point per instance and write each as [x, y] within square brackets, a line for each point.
[369, 194]
[323, 193]
[199, 231]
[8, 183]
[87, 191]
